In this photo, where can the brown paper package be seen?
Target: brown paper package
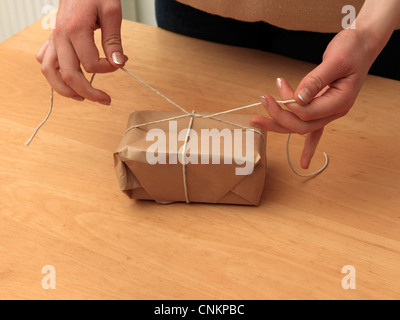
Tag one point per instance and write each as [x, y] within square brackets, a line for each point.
[206, 183]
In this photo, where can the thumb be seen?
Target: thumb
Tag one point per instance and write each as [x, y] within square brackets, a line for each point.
[314, 82]
[110, 23]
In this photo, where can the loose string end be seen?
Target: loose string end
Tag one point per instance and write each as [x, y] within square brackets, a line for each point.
[44, 121]
[29, 141]
[300, 174]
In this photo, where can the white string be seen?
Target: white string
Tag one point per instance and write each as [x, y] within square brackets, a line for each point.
[48, 114]
[192, 115]
[212, 116]
[156, 91]
[44, 121]
[184, 149]
[301, 174]
[247, 107]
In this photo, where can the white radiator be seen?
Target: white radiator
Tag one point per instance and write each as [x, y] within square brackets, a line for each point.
[16, 15]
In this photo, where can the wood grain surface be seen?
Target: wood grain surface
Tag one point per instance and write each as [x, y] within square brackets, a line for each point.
[60, 204]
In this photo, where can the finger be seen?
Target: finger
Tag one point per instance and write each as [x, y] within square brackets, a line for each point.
[73, 76]
[338, 98]
[110, 18]
[310, 145]
[50, 71]
[286, 93]
[326, 73]
[267, 124]
[329, 101]
[42, 51]
[311, 142]
[84, 45]
[285, 90]
[290, 121]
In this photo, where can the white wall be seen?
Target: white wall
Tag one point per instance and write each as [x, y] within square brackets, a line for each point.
[139, 10]
[145, 11]
[16, 15]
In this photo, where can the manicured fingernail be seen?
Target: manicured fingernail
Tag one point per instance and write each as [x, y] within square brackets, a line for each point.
[105, 102]
[279, 83]
[265, 102]
[118, 58]
[77, 98]
[305, 95]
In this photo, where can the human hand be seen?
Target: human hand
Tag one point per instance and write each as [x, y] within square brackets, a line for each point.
[72, 45]
[325, 94]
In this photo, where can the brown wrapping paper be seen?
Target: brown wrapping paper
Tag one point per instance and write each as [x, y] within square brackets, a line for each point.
[206, 183]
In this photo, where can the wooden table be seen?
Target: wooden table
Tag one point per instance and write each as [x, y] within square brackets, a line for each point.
[61, 205]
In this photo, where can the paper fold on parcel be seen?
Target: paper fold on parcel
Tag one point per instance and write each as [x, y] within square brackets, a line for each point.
[206, 181]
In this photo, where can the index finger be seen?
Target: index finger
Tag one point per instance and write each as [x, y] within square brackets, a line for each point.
[87, 52]
[73, 76]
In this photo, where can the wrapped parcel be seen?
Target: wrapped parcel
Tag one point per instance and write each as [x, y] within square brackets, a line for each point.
[169, 157]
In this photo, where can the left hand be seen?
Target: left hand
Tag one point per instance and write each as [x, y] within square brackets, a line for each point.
[325, 94]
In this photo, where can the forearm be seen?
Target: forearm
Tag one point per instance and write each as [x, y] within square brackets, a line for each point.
[377, 20]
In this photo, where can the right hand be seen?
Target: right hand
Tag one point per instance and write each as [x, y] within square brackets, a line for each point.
[72, 45]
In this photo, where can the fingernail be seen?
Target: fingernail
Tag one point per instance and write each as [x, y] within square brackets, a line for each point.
[118, 58]
[255, 125]
[105, 102]
[304, 95]
[77, 98]
[265, 102]
[279, 83]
